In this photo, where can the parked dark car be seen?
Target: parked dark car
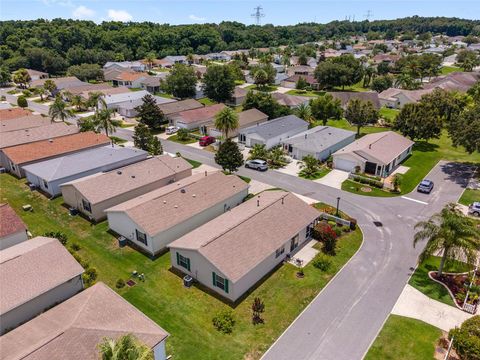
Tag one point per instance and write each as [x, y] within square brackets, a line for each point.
[426, 186]
[206, 140]
[257, 164]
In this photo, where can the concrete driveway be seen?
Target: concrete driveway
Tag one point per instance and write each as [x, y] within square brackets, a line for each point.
[334, 178]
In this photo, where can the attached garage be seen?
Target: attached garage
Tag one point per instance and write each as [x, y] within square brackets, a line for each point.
[344, 164]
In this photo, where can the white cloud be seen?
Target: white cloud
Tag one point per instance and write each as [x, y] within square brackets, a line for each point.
[82, 12]
[119, 15]
[196, 18]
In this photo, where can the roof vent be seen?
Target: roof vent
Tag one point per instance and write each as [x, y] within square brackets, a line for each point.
[183, 191]
[164, 201]
[370, 146]
[119, 172]
[175, 206]
[194, 195]
[50, 140]
[133, 176]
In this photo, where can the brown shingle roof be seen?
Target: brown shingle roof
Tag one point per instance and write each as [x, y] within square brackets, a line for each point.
[10, 222]
[290, 100]
[45, 149]
[73, 329]
[200, 193]
[13, 113]
[178, 106]
[201, 114]
[240, 239]
[32, 268]
[346, 96]
[24, 122]
[129, 76]
[25, 136]
[250, 117]
[104, 186]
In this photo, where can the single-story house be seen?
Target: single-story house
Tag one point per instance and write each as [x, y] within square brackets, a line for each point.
[169, 61]
[197, 118]
[246, 118]
[132, 65]
[16, 157]
[238, 96]
[129, 79]
[234, 251]
[112, 72]
[155, 219]
[128, 108]
[12, 228]
[35, 275]
[377, 154]
[88, 88]
[455, 81]
[386, 58]
[292, 101]
[62, 83]
[36, 75]
[113, 101]
[320, 142]
[300, 70]
[273, 132]
[218, 57]
[14, 113]
[106, 91]
[73, 329]
[396, 98]
[48, 175]
[173, 108]
[24, 122]
[291, 81]
[346, 96]
[92, 195]
[311, 62]
[151, 83]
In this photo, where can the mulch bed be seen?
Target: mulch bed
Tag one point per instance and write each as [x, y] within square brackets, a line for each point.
[366, 189]
[456, 283]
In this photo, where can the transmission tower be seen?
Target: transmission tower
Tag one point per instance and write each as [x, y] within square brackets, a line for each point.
[258, 15]
[368, 15]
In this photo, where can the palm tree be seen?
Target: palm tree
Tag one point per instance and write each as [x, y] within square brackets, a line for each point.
[258, 151]
[95, 99]
[126, 347]
[150, 59]
[104, 121]
[77, 101]
[451, 232]
[309, 165]
[59, 110]
[304, 112]
[226, 121]
[21, 77]
[41, 91]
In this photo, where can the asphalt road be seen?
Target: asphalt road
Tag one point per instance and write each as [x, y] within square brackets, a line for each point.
[345, 318]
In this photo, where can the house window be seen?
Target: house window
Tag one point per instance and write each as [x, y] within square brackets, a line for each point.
[12, 166]
[141, 237]
[87, 206]
[220, 282]
[183, 261]
[279, 252]
[45, 184]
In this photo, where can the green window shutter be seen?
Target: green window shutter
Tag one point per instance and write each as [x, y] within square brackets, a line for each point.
[188, 264]
[226, 285]
[213, 278]
[178, 258]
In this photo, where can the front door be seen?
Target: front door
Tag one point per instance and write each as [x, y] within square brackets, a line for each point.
[370, 168]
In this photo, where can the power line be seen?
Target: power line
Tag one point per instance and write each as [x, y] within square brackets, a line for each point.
[258, 15]
[369, 14]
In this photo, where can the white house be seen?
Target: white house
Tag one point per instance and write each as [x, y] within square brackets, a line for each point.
[35, 275]
[234, 251]
[377, 154]
[12, 229]
[153, 220]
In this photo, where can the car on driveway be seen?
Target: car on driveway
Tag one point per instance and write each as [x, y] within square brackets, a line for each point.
[257, 164]
[426, 186]
[474, 209]
[171, 130]
[206, 140]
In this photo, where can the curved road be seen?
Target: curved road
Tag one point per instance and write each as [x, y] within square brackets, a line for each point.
[345, 318]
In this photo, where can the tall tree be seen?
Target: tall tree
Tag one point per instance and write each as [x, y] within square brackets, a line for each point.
[468, 60]
[219, 83]
[450, 232]
[464, 129]
[142, 137]
[150, 113]
[416, 122]
[265, 103]
[5, 76]
[181, 82]
[21, 78]
[50, 86]
[229, 156]
[340, 71]
[226, 120]
[105, 122]
[59, 110]
[126, 347]
[360, 113]
[326, 107]
[304, 112]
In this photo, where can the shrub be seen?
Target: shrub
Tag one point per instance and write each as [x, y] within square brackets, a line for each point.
[89, 277]
[183, 134]
[75, 247]
[22, 101]
[324, 232]
[57, 235]
[80, 260]
[322, 262]
[224, 321]
[258, 307]
[26, 93]
[120, 284]
[367, 181]
[467, 339]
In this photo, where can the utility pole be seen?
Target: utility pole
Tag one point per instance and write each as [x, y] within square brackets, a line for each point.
[368, 15]
[258, 15]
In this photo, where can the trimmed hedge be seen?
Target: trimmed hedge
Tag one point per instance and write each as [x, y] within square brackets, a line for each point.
[367, 181]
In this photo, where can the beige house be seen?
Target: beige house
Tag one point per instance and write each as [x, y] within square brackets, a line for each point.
[377, 154]
[12, 229]
[73, 329]
[246, 118]
[35, 275]
[234, 251]
[94, 194]
[153, 220]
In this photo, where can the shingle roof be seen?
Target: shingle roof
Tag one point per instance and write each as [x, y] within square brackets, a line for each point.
[319, 138]
[132, 104]
[200, 114]
[129, 76]
[13, 113]
[32, 268]
[25, 136]
[290, 100]
[346, 96]
[240, 239]
[178, 106]
[100, 158]
[107, 91]
[104, 186]
[61, 83]
[44, 149]
[199, 193]
[10, 222]
[383, 146]
[73, 329]
[35, 72]
[276, 127]
[24, 122]
[125, 96]
[89, 88]
[250, 116]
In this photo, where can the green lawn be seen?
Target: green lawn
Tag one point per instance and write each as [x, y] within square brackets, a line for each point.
[194, 163]
[165, 95]
[403, 338]
[344, 124]
[445, 70]
[306, 93]
[355, 87]
[388, 114]
[206, 101]
[268, 88]
[185, 313]
[174, 138]
[318, 175]
[355, 187]
[469, 196]
[117, 140]
[432, 289]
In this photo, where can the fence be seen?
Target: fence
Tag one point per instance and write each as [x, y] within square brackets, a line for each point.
[470, 308]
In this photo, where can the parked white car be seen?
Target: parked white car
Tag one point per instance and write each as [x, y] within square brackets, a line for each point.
[171, 130]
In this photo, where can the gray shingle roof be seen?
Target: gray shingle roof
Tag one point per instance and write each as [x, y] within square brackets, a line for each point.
[276, 127]
[319, 138]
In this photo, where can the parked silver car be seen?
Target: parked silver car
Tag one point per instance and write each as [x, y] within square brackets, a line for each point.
[171, 130]
[474, 209]
[257, 164]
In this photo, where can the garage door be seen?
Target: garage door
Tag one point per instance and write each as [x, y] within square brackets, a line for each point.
[255, 141]
[343, 164]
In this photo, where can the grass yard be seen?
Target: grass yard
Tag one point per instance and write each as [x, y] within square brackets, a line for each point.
[355, 87]
[206, 101]
[117, 140]
[344, 124]
[311, 93]
[402, 338]
[185, 313]
[469, 196]
[318, 175]
[194, 163]
[388, 114]
[175, 138]
[164, 95]
[268, 88]
[355, 187]
[445, 70]
[124, 125]
[427, 286]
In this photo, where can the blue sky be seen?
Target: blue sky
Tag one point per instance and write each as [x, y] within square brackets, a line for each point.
[278, 12]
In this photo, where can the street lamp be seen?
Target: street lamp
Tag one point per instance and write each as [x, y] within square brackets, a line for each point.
[338, 203]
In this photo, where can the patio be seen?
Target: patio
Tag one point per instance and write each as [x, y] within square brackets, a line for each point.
[306, 254]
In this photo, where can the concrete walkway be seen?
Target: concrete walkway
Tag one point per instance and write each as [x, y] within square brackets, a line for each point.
[334, 178]
[305, 254]
[412, 303]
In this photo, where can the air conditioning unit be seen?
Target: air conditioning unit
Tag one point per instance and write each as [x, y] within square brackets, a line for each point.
[73, 211]
[32, 186]
[187, 281]
[122, 241]
[3, 170]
